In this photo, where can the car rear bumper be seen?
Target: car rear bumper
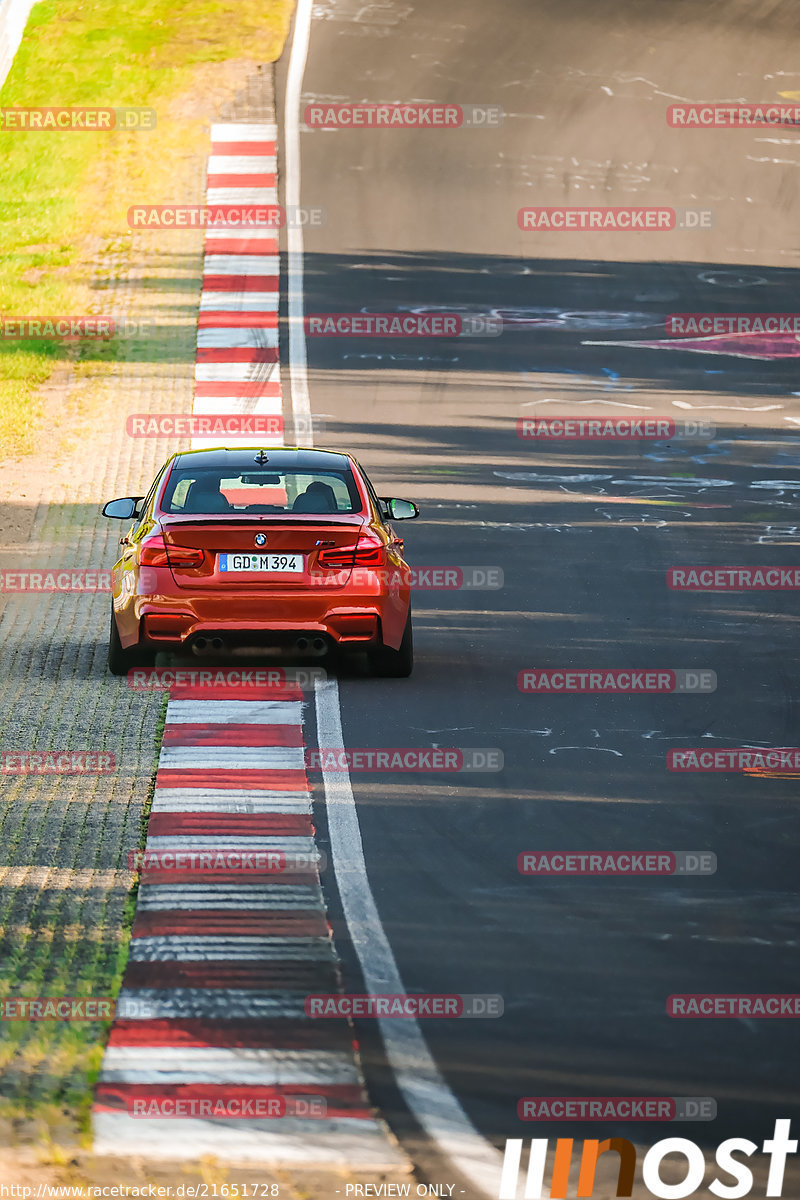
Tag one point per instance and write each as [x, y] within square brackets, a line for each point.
[172, 624]
[344, 626]
[171, 619]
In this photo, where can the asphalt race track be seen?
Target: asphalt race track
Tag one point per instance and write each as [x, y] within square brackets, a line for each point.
[549, 570]
[584, 534]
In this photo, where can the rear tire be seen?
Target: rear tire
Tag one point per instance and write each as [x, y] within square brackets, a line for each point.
[394, 664]
[120, 660]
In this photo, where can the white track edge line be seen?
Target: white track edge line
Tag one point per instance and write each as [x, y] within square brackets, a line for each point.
[425, 1091]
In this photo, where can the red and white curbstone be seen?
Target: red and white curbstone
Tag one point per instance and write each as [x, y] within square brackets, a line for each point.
[213, 999]
[237, 368]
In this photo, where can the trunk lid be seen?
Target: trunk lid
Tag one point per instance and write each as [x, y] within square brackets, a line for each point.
[284, 536]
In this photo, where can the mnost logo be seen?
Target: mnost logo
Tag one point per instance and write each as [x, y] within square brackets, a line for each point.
[693, 1165]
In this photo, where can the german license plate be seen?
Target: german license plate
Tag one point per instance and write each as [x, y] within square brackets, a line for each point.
[262, 564]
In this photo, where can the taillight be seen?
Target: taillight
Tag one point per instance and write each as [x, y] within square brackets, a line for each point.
[154, 553]
[367, 552]
[185, 556]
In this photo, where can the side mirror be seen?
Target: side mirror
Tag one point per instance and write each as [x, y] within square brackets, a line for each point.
[122, 509]
[401, 510]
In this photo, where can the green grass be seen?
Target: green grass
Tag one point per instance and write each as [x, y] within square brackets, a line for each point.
[63, 195]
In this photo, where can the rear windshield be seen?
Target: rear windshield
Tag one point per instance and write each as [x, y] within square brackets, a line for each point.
[209, 491]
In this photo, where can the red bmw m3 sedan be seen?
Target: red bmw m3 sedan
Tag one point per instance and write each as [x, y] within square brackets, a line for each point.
[277, 550]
